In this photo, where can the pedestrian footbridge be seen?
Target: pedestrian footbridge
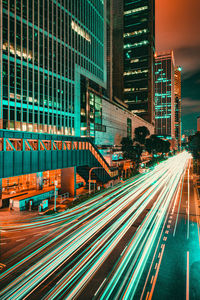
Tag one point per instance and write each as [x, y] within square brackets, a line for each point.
[27, 152]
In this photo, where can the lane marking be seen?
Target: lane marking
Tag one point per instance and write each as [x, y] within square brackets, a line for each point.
[100, 287]
[179, 206]
[187, 278]
[156, 275]
[152, 278]
[123, 250]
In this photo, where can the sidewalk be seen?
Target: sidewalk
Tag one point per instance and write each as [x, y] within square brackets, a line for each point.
[10, 216]
[197, 195]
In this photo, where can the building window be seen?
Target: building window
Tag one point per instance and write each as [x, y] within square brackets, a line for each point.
[129, 128]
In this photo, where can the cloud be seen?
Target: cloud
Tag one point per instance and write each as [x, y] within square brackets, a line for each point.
[190, 106]
[189, 58]
[190, 112]
[190, 102]
[177, 28]
[190, 85]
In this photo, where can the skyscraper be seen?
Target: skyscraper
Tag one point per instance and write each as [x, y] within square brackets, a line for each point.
[45, 48]
[118, 46]
[164, 95]
[139, 49]
[177, 92]
[48, 49]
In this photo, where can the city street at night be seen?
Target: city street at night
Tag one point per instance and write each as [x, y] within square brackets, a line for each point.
[138, 240]
[99, 150]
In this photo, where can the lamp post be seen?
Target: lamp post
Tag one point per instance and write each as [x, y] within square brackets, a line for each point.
[90, 172]
[55, 182]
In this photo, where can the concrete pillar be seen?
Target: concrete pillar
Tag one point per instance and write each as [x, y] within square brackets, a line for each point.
[68, 181]
[39, 181]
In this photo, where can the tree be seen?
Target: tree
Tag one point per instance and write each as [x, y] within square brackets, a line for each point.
[194, 145]
[155, 145]
[128, 149]
[166, 147]
[140, 134]
[138, 150]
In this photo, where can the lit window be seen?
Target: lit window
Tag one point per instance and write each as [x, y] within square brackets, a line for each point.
[80, 31]
[138, 32]
[132, 11]
[134, 61]
[128, 46]
[135, 72]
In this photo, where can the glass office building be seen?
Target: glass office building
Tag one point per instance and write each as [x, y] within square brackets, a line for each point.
[45, 48]
[164, 95]
[177, 91]
[139, 49]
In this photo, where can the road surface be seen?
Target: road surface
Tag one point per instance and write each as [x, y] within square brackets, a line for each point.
[139, 240]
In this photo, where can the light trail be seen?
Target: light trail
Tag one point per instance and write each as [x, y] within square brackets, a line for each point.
[156, 276]
[70, 246]
[188, 208]
[101, 258]
[118, 278]
[180, 199]
[82, 247]
[187, 277]
[85, 217]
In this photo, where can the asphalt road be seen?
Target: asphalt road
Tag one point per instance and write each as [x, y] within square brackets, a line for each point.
[122, 244]
[179, 266]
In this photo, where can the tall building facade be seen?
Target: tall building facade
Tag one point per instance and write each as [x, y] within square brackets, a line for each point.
[46, 47]
[118, 48]
[198, 124]
[164, 95]
[177, 92]
[139, 50]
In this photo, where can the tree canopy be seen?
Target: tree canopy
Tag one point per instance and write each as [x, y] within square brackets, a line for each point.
[155, 145]
[194, 145]
[130, 151]
[140, 134]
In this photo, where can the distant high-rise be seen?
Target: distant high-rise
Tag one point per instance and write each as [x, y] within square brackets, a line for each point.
[177, 92]
[139, 49]
[164, 95]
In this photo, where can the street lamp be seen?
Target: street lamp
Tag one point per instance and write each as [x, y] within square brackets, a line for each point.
[90, 172]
